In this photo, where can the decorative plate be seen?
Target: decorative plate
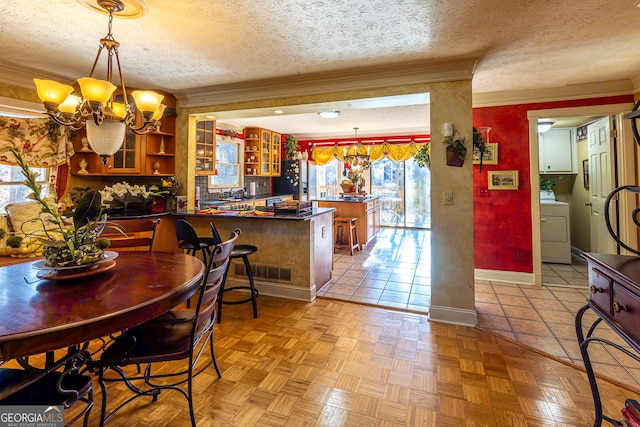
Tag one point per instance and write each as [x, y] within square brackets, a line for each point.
[42, 264]
[92, 270]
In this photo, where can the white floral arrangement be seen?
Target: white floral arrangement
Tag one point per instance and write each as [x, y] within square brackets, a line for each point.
[123, 191]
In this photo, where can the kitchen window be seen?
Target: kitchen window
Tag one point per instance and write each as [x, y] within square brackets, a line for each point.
[12, 188]
[228, 166]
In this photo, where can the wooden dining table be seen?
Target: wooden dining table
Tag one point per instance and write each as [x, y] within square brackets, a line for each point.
[41, 315]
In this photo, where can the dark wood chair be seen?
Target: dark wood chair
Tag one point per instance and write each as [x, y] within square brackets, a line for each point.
[61, 383]
[131, 234]
[177, 335]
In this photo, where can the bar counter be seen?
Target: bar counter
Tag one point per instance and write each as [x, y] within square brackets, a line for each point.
[295, 254]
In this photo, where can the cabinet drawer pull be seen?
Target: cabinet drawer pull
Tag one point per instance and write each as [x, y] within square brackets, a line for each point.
[595, 290]
[619, 307]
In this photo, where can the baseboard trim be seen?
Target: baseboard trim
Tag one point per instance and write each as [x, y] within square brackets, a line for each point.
[279, 290]
[453, 316]
[504, 276]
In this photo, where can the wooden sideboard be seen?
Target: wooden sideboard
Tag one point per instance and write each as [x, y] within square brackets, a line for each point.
[614, 283]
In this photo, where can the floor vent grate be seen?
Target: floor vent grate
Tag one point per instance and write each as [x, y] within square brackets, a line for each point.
[262, 271]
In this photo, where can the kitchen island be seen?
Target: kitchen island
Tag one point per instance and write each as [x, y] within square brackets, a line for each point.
[295, 253]
[365, 208]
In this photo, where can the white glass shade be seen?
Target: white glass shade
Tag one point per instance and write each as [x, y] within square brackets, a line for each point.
[107, 138]
[96, 90]
[70, 105]
[53, 92]
[147, 101]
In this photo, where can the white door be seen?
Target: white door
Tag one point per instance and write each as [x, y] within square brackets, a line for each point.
[600, 183]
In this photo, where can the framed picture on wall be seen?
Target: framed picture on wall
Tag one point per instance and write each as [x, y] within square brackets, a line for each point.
[503, 180]
[490, 155]
[585, 173]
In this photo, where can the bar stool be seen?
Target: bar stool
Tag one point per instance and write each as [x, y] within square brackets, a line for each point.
[239, 251]
[188, 239]
[340, 225]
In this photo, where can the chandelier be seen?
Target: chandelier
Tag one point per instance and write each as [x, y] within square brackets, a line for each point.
[104, 119]
[357, 156]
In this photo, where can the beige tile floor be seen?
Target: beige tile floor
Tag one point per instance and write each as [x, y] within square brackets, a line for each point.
[394, 271]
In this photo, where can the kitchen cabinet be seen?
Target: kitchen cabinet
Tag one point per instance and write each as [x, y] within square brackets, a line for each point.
[151, 154]
[557, 151]
[206, 147]
[366, 211]
[262, 155]
[555, 233]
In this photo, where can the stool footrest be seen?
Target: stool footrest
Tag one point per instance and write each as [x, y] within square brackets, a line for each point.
[250, 299]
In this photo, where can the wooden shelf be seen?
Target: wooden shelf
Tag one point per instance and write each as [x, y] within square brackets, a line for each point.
[265, 146]
[138, 153]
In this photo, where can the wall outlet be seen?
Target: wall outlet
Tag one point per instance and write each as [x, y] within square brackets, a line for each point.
[483, 192]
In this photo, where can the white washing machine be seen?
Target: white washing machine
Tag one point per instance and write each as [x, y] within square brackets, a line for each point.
[555, 231]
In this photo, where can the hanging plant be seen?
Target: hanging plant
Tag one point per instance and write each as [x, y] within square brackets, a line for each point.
[423, 156]
[456, 151]
[291, 144]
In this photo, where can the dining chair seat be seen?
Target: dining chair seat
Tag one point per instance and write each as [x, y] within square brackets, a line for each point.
[62, 383]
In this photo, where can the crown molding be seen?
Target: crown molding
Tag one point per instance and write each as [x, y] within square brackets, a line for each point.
[23, 76]
[399, 74]
[589, 90]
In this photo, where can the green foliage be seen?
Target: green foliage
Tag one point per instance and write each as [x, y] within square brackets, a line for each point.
[547, 184]
[291, 144]
[423, 156]
[14, 241]
[103, 243]
[457, 146]
[62, 245]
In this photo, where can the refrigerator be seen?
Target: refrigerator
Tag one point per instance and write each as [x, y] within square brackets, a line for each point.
[298, 178]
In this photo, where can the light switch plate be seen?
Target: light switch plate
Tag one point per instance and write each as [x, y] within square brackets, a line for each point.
[448, 197]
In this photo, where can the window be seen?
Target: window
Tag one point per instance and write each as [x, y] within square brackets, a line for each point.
[12, 188]
[227, 164]
[327, 179]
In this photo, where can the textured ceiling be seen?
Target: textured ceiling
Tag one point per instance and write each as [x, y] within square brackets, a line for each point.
[182, 45]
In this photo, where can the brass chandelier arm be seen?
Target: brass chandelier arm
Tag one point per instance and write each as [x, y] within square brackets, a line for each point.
[96, 110]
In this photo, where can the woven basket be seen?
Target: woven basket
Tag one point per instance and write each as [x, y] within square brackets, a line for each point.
[348, 188]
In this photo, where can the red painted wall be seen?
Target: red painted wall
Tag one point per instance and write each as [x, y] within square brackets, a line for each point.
[502, 220]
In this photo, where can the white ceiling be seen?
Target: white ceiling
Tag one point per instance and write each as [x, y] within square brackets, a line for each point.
[180, 46]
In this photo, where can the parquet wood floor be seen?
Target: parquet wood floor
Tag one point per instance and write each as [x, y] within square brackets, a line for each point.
[335, 363]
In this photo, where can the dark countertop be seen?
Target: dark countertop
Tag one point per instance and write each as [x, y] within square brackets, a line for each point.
[357, 199]
[278, 216]
[246, 199]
